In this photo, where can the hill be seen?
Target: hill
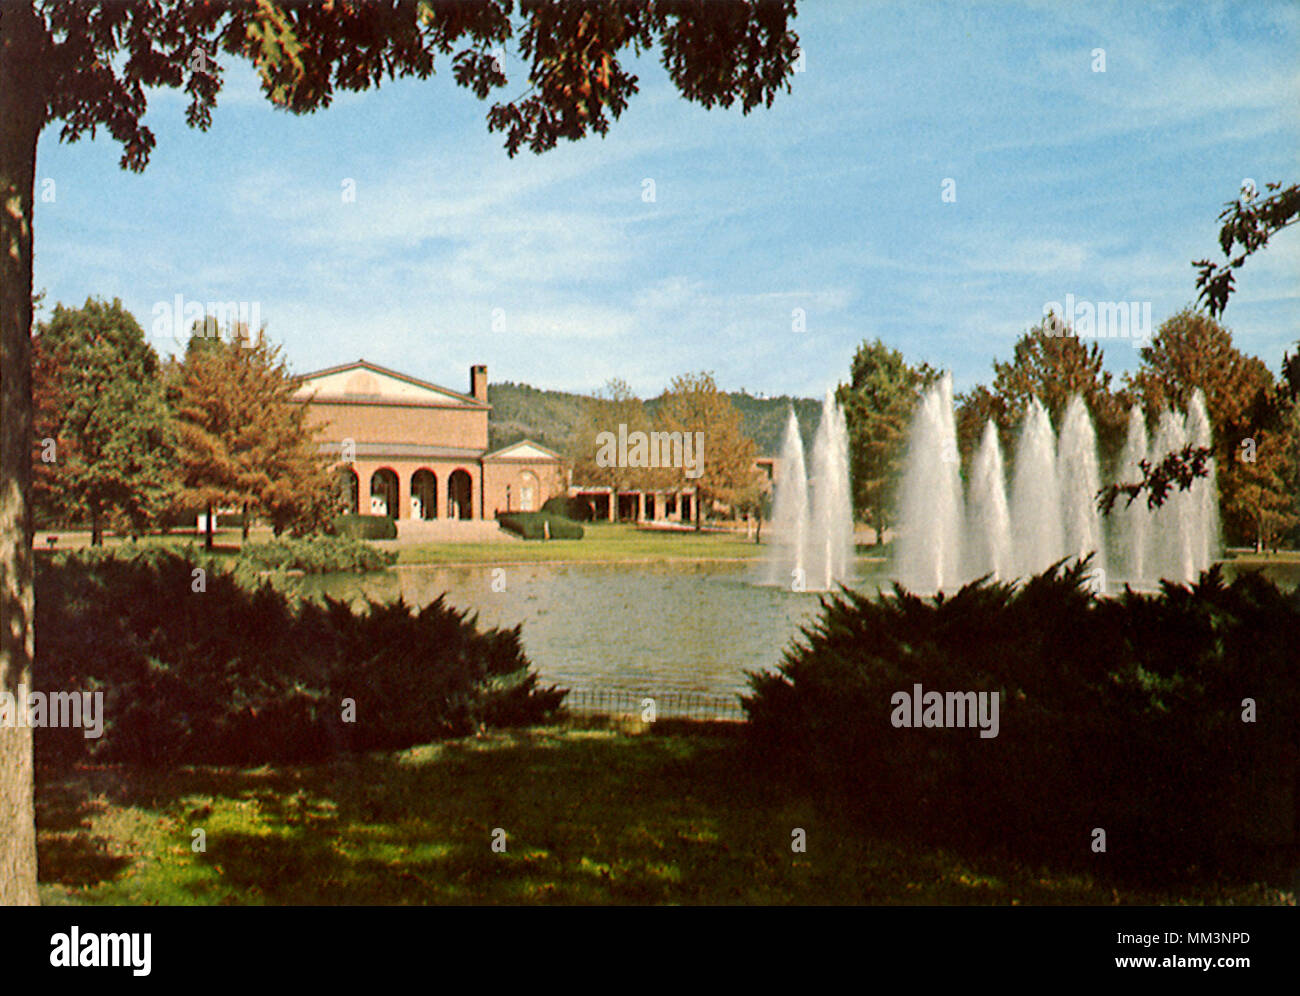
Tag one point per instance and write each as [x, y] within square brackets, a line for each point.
[548, 417]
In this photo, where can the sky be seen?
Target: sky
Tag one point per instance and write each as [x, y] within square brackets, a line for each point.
[774, 243]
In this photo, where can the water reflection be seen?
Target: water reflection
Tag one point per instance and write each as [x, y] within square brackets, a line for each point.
[670, 627]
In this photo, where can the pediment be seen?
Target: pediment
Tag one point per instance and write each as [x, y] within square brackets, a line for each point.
[364, 382]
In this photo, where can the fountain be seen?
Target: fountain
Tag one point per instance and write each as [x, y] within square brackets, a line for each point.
[948, 538]
[1132, 521]
[789, 510]
[929, 543]
[813, 533]
[1036, 495]
[1080, 477]
[988, 521]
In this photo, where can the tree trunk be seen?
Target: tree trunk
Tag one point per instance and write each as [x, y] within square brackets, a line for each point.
[207, 530]
[96, 533]
[22, 109]
[244, 536]
[697, 509]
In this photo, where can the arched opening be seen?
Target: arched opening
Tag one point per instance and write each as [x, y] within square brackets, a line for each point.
[424, 494]
[460, 495]
[347, 487]
[528, 492]
[383, 493]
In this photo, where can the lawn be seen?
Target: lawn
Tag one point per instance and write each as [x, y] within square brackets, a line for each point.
[590, 814]
[602, 543]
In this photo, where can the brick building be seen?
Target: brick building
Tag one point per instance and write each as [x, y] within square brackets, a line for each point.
[413, 450]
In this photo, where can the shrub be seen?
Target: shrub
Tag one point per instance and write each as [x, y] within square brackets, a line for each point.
[1121, 713]
[240, 675]
[316, 555]
[365, 526]
[534, 525]
[574, 508]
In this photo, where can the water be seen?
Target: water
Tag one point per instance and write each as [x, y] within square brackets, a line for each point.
[949, 536]
[830, 554]
[1132, 520]
[1036, 496]
[988, 520]
[1205, 505]
[692, 628]
[931, 512]
[1080, 480]
[812, 517]
[790, 515]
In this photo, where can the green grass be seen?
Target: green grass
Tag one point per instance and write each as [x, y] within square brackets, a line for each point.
[591, 816]
[603, 543]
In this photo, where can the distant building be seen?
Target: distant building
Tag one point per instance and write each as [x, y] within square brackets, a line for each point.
[413, 450]
[668, 505]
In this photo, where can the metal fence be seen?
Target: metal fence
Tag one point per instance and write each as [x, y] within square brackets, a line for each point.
[667, 704]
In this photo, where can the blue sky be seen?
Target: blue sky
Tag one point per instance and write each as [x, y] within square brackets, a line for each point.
[1104, 185]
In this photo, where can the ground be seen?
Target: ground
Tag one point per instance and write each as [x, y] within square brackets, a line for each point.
[589, 814]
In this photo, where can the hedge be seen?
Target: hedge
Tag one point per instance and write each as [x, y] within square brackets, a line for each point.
[316, 555]
[534, 525]
[219, 672]
[574, 508]
[1128, 714]
[365, 526]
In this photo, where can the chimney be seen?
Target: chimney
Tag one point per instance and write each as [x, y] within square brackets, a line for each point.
[478, 382]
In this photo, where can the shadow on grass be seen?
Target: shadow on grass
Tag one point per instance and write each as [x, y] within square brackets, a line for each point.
[587, 815]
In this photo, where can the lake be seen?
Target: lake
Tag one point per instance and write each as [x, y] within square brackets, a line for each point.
[683, 630]
[661, 628]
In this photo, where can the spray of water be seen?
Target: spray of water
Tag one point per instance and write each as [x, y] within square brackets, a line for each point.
[1204, 516]
[1080, 480]
[946, 539]
[988, 521]
[790, 524]
[931, 510]
[1036, 495]
[1133, 520]
[812, 517]
[831, 547]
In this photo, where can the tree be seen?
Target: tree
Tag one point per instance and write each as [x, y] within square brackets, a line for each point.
[106, 449]
[1052, 364]
[243, 440]
[878, 403]
[88, 64]
[1181, 467]
[49, 402]
[1267, 486]
[1191, 350]
[612, 406]
[1248, 222]
[725, 469]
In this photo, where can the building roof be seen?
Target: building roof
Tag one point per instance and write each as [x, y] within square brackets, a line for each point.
[523, 450]
[405, 451]
[372, 384]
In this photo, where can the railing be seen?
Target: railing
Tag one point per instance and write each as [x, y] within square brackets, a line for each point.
[667, 704]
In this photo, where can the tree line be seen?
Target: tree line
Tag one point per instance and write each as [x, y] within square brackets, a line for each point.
[726, 476]
[128, 442]
[1255, 415]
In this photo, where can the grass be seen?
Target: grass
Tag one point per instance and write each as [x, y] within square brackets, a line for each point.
[591, 815]
[603, 543]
